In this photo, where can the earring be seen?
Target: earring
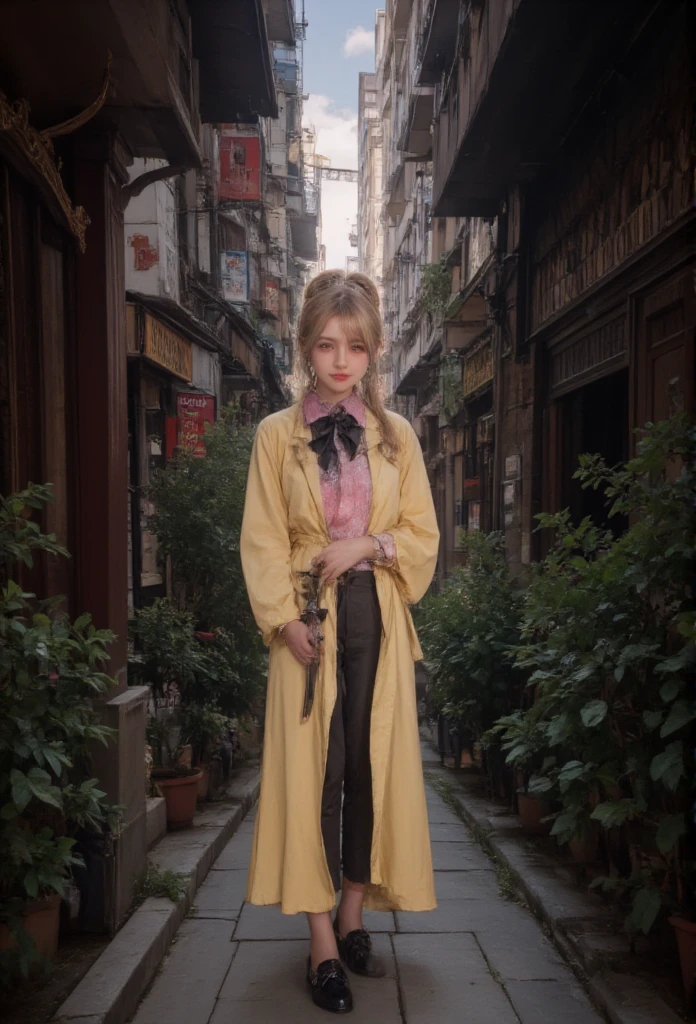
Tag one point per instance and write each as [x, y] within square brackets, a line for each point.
[312, 377]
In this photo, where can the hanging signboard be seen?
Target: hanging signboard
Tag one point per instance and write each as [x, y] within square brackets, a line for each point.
[240, 167]
[271, 297]
[478, 369]
[193, 412]
[234, 271]
[166, 348]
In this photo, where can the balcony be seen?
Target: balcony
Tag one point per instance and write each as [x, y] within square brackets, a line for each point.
[235, 65]
[399, 12]
[280, 21]
[415, 137]
[304, 237]
[438, 40]
[530, 69]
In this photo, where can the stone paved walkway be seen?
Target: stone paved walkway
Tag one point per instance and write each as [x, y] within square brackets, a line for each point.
[477, 959]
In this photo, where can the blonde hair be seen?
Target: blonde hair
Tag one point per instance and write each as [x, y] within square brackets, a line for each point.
[354, 299]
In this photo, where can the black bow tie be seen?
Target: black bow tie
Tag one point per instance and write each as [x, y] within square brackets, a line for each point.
[323, 442]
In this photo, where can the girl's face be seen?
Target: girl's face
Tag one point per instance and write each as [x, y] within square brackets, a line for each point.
[339, 362]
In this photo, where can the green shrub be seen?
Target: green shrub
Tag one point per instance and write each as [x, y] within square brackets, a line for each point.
[50, 670]
[607, 639]
[199, 506]
[466, 632]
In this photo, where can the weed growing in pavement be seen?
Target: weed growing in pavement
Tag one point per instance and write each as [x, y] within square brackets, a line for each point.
[162, 884]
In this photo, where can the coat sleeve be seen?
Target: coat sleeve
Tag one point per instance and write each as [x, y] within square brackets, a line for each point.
[265, 541]
[416, 534]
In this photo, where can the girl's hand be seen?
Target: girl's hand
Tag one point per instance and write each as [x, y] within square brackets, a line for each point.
[341, 555]
[298, 638]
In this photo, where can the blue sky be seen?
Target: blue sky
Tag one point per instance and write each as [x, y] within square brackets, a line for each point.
[326, 70]
[339, 44]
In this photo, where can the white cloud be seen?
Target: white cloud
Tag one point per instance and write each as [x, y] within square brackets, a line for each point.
[337, 138]
[358, 40]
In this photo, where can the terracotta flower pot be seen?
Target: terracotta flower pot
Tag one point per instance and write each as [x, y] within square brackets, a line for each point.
[583, 848]
[41, 919]
[530, 811]
[180, 793]
[685, 931]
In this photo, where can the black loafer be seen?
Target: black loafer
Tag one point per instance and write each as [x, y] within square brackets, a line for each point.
[329, 985]
[356, 952]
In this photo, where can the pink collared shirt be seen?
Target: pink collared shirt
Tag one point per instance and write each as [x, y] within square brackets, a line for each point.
[346, 489]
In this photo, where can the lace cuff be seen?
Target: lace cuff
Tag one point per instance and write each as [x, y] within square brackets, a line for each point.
[387, 544]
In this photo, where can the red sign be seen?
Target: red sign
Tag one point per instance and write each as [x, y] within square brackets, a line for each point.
[271, 298]
[240, 167]
[194, 411]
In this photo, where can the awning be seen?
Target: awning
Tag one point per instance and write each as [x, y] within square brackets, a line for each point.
[230, 41]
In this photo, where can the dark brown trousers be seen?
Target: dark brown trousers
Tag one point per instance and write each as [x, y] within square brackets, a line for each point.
[348, 771]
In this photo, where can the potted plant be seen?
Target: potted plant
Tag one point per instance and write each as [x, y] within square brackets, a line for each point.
[49, 673]
[168, 658]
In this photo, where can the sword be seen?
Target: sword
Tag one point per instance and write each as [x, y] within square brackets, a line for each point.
[313, 616]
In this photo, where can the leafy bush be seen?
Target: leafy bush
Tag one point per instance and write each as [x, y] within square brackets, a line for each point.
[196, 686]
[436, 288]
[607, 638]
[466, 632]
[199, 506]
[50, 669]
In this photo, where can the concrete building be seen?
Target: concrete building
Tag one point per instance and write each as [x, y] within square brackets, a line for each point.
[370, 227]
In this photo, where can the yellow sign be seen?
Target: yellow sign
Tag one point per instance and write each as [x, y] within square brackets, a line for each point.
[478, 369]
[167, 349]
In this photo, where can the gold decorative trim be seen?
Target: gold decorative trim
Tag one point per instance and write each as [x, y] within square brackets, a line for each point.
[72, 125]
[36, 146]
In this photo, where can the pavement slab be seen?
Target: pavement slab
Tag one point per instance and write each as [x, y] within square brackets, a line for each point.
[186, 986]
[469, 885]
[266, 985]
[445, 979]
[548, 1002]
[459, 856]
[223, 891]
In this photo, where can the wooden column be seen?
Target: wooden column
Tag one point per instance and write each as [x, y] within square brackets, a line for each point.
[101, 554]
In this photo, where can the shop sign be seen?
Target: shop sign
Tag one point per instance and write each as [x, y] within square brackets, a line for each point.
[234, 270]
[168, 349]
[193, 412]
[513, 467]
[271, 297]
[474, 515]
[240, 166]
[478, 369]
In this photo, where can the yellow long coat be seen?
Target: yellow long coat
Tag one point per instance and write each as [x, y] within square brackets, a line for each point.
[283, 528]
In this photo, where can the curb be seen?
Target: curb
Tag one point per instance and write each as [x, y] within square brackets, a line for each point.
[111, 990]
[576, 921]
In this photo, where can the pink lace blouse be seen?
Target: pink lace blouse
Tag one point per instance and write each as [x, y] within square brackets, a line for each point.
[346, 489]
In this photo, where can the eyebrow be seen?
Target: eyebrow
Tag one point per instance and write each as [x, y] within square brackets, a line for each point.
[351, 341]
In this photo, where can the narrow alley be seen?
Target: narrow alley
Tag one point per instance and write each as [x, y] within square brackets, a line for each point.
[479, 957]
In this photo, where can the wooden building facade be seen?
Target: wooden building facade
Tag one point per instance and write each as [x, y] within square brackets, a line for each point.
[570, 126]
[79, 100]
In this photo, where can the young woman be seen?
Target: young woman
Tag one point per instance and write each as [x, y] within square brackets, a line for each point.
[337, 484]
